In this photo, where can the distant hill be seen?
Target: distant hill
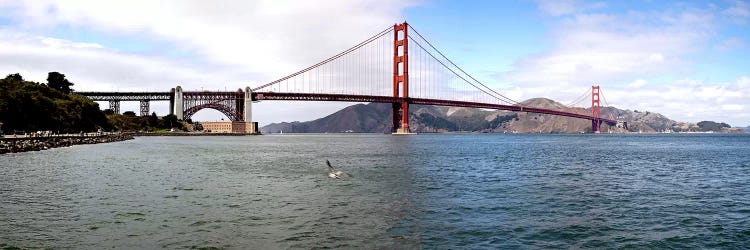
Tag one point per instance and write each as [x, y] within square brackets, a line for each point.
[358, 118]
[375, 118]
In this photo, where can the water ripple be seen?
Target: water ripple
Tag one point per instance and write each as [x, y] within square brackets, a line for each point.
[426, 191]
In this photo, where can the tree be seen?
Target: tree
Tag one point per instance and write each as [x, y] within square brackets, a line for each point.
[14, 77]
[57, 81]
[170, 121]
[153, 120]
[32, 106]
[712, 126]
[128, 113]
[129, 123]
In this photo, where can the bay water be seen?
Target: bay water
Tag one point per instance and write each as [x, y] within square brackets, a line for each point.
[447, 191]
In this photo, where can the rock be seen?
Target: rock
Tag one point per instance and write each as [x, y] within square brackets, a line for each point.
[14, 145]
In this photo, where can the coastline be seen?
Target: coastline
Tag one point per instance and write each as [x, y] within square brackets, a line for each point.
[189, 134]
[24, 144]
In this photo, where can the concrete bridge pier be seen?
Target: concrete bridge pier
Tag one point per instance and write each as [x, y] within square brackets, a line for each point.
[177, 104]
[248, 107]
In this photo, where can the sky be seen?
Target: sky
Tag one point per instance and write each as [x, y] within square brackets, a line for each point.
[688, 60]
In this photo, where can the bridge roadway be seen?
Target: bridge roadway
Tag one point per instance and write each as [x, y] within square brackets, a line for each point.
[128, 96]
[259, 96]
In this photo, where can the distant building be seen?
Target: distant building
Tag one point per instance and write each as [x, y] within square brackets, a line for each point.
[230, 127]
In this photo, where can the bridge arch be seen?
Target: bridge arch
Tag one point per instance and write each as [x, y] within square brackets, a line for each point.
[228, 111]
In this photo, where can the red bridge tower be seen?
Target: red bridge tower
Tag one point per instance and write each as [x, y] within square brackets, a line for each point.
[400, 78]
[596, 109]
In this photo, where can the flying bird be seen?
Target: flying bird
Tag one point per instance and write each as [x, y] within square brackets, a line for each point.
[336, 174]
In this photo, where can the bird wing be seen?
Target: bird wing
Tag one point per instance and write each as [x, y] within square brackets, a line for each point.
[330, 168]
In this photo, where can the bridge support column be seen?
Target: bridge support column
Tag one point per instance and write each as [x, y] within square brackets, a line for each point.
[247, 113]
[144, 107]
[596, 109]
[114, 106]
[401, 79]
[171, 102]
[179, 104]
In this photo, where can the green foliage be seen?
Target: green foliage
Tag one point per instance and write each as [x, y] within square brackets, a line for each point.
[712, 126]
[198, 126]
[502, 119]
[130, 122]
[123, 122]
[473, 122]
[153, 120]
[15, 77]
[437, 122]
[58, 82]
[170, 121]
[31, 106]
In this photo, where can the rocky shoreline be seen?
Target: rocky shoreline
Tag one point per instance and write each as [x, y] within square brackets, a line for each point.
[190, 134]
[15, 145]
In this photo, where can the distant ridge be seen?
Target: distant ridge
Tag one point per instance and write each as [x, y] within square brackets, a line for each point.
[375, 118]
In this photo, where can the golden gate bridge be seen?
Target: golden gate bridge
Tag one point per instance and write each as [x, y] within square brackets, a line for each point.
[392, 66]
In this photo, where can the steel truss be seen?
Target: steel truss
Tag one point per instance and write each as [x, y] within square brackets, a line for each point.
[128, 96]
[230, 104]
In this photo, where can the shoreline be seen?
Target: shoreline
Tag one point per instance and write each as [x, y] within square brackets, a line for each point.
[189, 134]
[25, 144]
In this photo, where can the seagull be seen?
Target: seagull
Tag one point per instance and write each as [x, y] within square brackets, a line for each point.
[335, 174]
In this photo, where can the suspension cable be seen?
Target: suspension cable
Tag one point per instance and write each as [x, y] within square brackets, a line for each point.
[448, 68]
[603, 98]
[355, 47]
[459, 68]
[579, 99]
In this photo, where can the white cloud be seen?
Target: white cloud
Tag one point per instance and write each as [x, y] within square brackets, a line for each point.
[619, 52]
[231, 44]
[566, 7]
[733, 107]
[637, 83]
[729, 44]
[270, 37]
[743, 82]
[90, 66]
[64, 44]
[688, 100]
[739, 12]
[605, 48]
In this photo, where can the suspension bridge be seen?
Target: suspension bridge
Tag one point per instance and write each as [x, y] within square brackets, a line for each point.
[397, 65]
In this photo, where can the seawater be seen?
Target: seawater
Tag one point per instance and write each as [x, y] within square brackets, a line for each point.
[452, 191]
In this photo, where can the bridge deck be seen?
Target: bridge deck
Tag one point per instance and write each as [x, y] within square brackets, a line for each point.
[127, 96]
[258, 96]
